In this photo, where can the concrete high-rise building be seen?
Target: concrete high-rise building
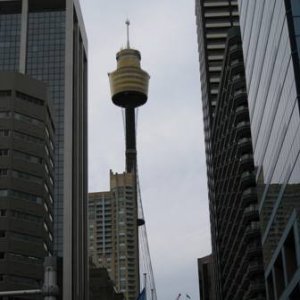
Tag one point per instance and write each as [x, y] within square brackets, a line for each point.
[113, 233]
[236, 240]
[47, 40]
[26, 181]
[271, 46]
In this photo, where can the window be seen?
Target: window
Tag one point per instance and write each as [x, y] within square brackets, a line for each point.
[27, 119]
[25, 237]
[5, 93]
[279, 276]
[290, 255]
[26, 216]
[3, 152]
[26, 176]
[27, 157]
[3, 172]
[5, 114]
[21, 196]
[28, 98]
[4, 132]
[27, 137]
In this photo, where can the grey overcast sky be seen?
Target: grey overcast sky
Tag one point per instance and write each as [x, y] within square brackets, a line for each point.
[170, 141]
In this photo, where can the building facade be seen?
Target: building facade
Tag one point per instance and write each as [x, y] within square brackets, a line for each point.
[206, 278]
[26, 181]
[270, 34]
[236, 239]
[113, 233]
[101, 286]
[238, 236]
[47, 40]
[213, 19]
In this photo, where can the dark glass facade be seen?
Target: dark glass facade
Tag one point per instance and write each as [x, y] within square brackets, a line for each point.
[46, 62]
[270, 33]
[10, 27]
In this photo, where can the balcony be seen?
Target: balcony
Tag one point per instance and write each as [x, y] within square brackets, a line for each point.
[245, 145]
[249, 196]
[252, 230]
[243, 129]
[254, 268]
[247, 179]
[257, 290]
[246, 162]
[240, 99]
[254, 249]
[241, 114]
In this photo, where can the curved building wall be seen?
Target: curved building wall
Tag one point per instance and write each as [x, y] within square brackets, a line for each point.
[26, 181]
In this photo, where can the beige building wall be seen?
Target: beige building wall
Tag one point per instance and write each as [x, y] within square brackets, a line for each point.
[113, 232]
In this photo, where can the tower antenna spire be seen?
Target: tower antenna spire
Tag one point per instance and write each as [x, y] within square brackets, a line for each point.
[127, 24]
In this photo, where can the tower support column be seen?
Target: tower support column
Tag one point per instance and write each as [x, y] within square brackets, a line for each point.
[130, 139]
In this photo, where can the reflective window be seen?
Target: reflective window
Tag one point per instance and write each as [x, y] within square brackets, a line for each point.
[10, 27]
[46, 61]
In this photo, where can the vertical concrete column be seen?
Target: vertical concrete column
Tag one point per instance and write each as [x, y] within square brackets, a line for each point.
[23, 42]
[68, 267]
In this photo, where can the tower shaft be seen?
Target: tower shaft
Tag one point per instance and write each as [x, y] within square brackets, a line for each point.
[129, 89]
[130, 140]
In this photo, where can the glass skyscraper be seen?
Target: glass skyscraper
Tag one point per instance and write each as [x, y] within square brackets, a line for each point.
[271, 43]
[47, 40]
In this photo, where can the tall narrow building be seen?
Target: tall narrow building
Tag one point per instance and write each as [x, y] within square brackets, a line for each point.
[271, 46]
[237, 253]
[47, 40]
[113, 233]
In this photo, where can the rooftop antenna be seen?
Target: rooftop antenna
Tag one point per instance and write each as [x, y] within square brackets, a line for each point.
[128, 23]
